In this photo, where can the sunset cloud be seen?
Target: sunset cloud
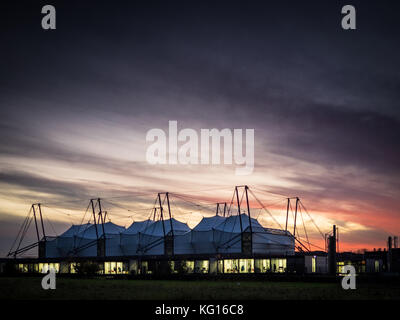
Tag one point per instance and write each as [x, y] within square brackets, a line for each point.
[76, 107]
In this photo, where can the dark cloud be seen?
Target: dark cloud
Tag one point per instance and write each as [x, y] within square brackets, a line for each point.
[44, 185]
[337, 137]
[313, 92]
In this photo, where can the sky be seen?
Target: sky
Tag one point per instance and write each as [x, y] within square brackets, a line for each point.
[76, 104]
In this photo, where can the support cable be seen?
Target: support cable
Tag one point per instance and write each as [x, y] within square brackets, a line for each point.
[263, 207]
[304, 227]
[312, 220]
[21, 229]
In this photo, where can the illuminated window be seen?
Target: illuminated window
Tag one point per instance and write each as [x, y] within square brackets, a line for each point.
[113, 267]
[220, 266]
[55, 266]
[119, 267]
[116, 267]
[125, 267]
[266, 265]
[278, 265]
[107, 267]
[231, 266]
[262, 265]
[72, 267]
[145, 267]
[189, 266]
[44, 267]
[314, 264]
[376, 265]
[201, 266]
[246, 265]
[340, 265]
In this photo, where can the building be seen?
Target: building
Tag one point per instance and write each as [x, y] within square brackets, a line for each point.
[216, 244]
[220, 244]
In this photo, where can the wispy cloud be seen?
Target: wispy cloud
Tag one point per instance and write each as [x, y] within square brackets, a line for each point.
[323, 104]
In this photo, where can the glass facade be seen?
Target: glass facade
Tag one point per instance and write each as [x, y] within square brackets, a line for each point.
[358, 265]
[37, 267]
[277, 265]
[221, 266]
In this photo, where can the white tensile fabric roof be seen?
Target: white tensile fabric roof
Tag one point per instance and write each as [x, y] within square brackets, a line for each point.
[211, 235]
[208, 223]
[75, 229]
[138, 226]
[157, 229]
[232, 224]
[109, 229]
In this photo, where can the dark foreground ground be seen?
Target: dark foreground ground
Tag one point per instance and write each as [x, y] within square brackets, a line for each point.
[30, 288]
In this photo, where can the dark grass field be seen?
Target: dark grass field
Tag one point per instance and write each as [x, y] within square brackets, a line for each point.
[28, 288]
